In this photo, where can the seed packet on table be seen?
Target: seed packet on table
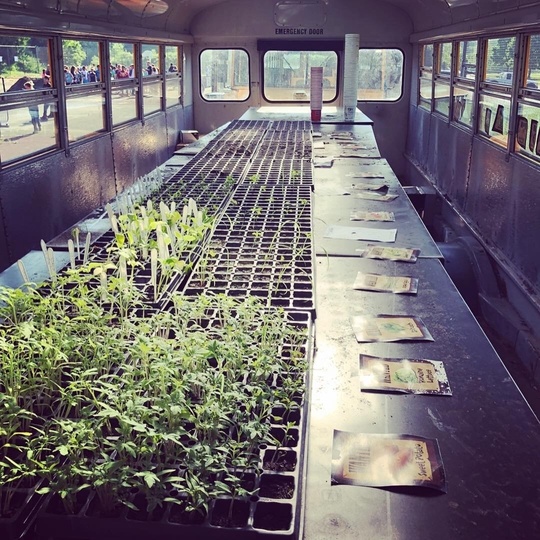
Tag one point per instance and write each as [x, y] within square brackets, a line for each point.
[387, 328]
[403, 375]
[384, 460]
[391, 254]
[357, 215]
[372, 196]
[319, 145]
[342, 135]
[382, 283]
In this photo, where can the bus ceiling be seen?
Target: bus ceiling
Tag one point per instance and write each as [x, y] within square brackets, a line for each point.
[179, 16]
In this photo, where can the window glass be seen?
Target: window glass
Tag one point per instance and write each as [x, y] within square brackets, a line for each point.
[122, 61]
[152, 97]
[493, 118]
[124, 103]
[86, 115]
[224, 75]
[23, 132]
[444, 59]
[124, 86]
[532, 71]
[442, 97]
[23, 58]
[425, 84]
[28, 119]
[500, 60]
[151, 60]
[463, 106]
[427, 56]
[82, 63]
[380, 74]
[173, 91]
[528, 130]
[172, 60]
[173, 83]
[466, 65]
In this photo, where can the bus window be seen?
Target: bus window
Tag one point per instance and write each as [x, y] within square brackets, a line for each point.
[527, 139]
[425, 87]
[287, 74]
[380, 74]
[464, 80]
[443, 71]
[224, 75]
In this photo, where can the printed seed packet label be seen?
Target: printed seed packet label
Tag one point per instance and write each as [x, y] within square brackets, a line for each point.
[319, 145]
[391, 254]
[403, 375]
[384, 460]
[382, 283]
[386, 328]
[372, 216]
[316, 134]
[372, 196]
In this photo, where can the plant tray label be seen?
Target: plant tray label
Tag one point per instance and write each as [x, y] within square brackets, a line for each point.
[382, 283]
[357, 215]
[371, 196]
[361, 233]
[385, 328]
[403, 375]
[383, 460]
[391, 254]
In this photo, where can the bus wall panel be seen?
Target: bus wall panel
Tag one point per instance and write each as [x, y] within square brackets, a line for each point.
[139, 149]
[4, 253]
[504, 202]
[449, 156]
[42, 199]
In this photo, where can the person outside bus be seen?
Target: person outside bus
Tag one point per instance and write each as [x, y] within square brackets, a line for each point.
[33, 109]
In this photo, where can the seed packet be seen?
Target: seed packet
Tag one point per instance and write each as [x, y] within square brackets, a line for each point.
[387, 328]
[391, 254]
[403, 375]
[383, 460]
[372, 196]
[382, 283]
[357, 215]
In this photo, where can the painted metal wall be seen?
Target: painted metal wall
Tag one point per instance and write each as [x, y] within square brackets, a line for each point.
[499, 197]
[41, 199]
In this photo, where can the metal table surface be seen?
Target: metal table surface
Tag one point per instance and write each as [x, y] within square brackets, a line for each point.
[363, 136]
[334, 199]
[488, 436]
[329, 115]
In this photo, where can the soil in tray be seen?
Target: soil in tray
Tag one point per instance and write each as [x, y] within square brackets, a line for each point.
[180, 515]
[223, 515]
[276, 486]
[279, 460]
[272, 516]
